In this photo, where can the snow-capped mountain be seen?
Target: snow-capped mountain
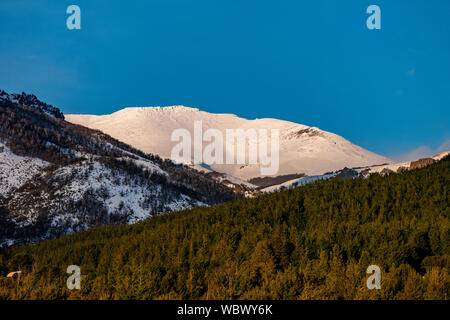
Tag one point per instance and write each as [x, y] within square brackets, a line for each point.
[57, 177]
[304, 150]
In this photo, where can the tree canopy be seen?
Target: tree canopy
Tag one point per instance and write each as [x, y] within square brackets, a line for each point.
[310, 242]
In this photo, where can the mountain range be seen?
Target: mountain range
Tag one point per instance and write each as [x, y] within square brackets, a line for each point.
[304, 150]
[60, 174]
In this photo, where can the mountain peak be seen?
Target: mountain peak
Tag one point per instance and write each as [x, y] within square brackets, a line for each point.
[303, 149]
[180, 108]
[30, 100]
[160, 109]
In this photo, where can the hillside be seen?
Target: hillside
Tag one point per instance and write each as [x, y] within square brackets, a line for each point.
[58, 178]
[359, 172]
[310, 242]
[303, 149]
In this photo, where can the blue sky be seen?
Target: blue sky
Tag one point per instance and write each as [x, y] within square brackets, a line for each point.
[314, 62]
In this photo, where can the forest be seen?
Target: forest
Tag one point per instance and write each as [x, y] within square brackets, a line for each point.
[310, 242]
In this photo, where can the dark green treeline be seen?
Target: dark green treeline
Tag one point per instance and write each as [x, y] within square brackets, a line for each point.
[311, 242]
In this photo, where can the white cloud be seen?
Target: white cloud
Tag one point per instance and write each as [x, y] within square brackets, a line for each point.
[423, 152]
[444, 147]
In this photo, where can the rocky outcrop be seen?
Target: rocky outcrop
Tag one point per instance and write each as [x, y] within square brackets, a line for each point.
[421, 163]
[402, 169]
[30, 100]
[264, 182]
[346, 173]
[386, 171]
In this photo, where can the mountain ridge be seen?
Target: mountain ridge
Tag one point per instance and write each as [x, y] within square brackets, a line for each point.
[57, 177]
[30, 100]
[303, 149]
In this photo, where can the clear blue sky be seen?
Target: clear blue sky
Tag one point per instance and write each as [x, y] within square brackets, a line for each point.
[311, 62]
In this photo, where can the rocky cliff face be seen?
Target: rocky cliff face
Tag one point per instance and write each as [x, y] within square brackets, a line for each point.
[421, 163]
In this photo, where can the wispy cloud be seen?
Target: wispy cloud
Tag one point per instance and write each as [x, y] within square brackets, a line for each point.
[423, 152]
[411, 72]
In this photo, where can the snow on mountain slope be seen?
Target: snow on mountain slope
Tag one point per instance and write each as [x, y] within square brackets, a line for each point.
[361, 171]
[15, 170]
[396, 167]
[57, 177]
[85, 194]
[303, 149]
[299, 182]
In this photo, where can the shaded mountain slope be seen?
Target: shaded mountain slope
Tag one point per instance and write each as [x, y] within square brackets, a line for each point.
[57, 177]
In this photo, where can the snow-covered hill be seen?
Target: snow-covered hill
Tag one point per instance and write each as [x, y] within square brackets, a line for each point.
[58, 178]
[360, 172]
[398, 167]
[90, 193]
[303, 149]
[16, 170]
